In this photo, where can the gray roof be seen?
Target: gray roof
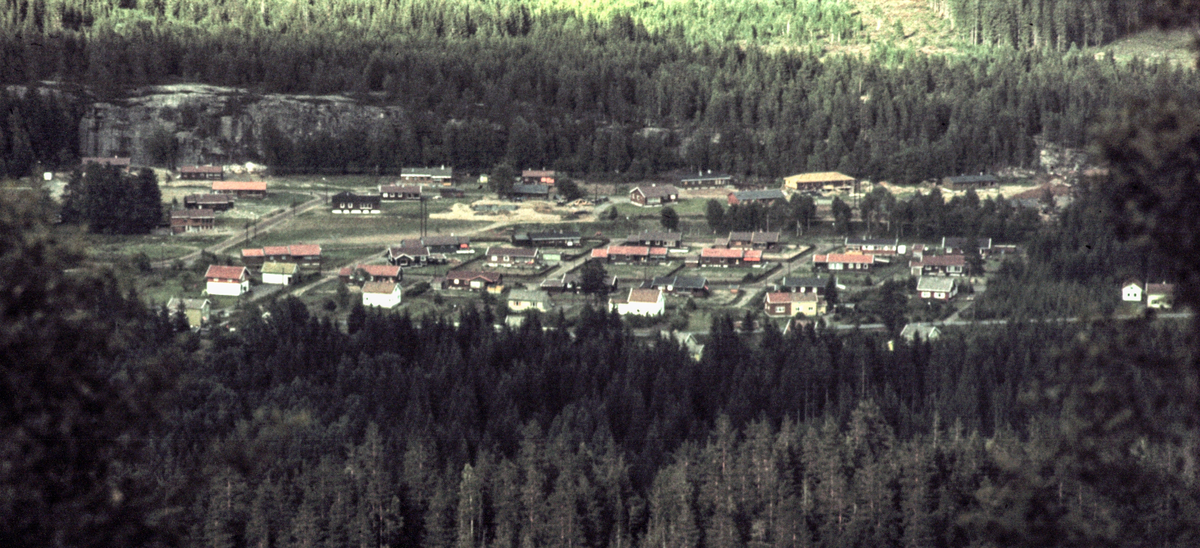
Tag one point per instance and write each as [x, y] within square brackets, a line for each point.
[924, 330]
[188, 304]
[797, 281]
[528, 295]
[751, 195]
[935, 283]
[432, 172]
[681, 282]
[657, 191]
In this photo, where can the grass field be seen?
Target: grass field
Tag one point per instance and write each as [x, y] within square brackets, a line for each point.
[320, 226]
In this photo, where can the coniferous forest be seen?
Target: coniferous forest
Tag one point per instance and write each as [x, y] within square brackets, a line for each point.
[122, 427]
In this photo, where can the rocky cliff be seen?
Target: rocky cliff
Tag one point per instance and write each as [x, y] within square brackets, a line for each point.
[209, 124]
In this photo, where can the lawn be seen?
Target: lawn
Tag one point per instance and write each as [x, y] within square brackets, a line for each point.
[155, 247]
[319, 226]
[640, 272]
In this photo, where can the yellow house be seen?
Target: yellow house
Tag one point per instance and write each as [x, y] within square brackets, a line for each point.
[818, 181]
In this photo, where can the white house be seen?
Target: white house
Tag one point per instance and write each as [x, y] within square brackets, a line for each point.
[937, 288]
[520, 300]
[280, 273]
[642, 302]
[1131, 292]
[381, 294]
[230, 281]
[1160, 295]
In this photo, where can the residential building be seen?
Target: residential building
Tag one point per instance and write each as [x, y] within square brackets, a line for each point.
[381, 294]
[231, 281]
[783, 304]
[1131, 291]
[964, 182]
[696, 286]
[215, 202]
[241, 189]
[120, 162]
[920, 331]
[640, 302]
[652, 238]
[363, 273]
[573, 282]
[1160, 295]
[844, 261]
[400, 192]
[355, 204]
[818, 181]
[196, 311]
[717, 256]
[960, 245]
[509, 257]
[548, 238]
[546, 177]
[937, 288]
[439, 175]
[306, 256]
[750, 240]
[764, 197]
[706, 180]
[653, 195]
[520, 300]
[408, 253]
[192, 173]
[873, 246]
[799, 284]
[280, 273]
[447, 245]
[531, 192]
[939, 265]
[630, 254]
[471, 279]
[191, 220]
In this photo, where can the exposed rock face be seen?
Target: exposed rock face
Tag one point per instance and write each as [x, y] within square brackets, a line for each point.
[213, 124]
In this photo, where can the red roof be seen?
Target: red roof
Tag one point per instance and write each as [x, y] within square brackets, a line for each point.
[493, 277]
[600, 253]
[401, 189]
[786, 297]
[640, 250]
[844, 258]
[225, 272]
[276, 250]
[253, 252]
[753, 255]
[240, 185]
[942, 260]
[304, 250]
[644, 295]
[385, 288]
[380, 270]
[719, 253]
[658, 251]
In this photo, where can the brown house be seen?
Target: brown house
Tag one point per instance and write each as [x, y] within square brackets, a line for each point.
[364, 273]
[191, 220]
[939, 265]
[654, 195]
[630, 254]
[400, 192]
[191, 173]
[215, 202]
[471, 279]
[307, 256]
[716, 256]
[539, 177]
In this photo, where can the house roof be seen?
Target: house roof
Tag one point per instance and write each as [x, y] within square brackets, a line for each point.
[279, 268]
[958, 243]
[941, 260]
[935, 283]
[844, 258]
[400, 189]
[380, 270]
[222, 271]
[1128, 283]
[758, 237]
[538, 173]
[638, 295]
[240, 185]
[818, 177]
[752, 195]
[655, 236]
[924, 330]
[493, 277]
[431, 172]
[276, 250]
[383, 288]
[871, 241]
[201, 169]
[106, 160]
[681, 282]
[797, 281]
[710, 176]
[528, 295]
[193, 213]
[789, 297]
[252, 252]
[304, 250]
[188, 304]
[600, 253]
[753, 255]
[512, 251]
[721, 253]
[639, 250]
[430, 241]
[1160, 289]
[408, 250]
[554, 235]
[656, 191]
[208, 198]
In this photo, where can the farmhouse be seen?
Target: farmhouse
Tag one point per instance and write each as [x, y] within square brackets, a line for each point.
[640, 302]
[191, 220]
[817, 181]
[706, 180]
[400, 192]
[215, 202]
[653, 195]
[241, 189]
[195, 310]
[939, 265]
[844, 261]
[280, 273]
[230, 281]
[509, 257]
[764, 197]
[192, 173]
[471, 279]
[381, 294]
[783, 304]
[937, 288]
[355, 204]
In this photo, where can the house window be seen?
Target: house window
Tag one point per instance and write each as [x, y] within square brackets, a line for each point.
[780, 309]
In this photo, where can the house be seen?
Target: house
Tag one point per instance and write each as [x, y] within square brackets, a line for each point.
[650, 238]
[1160, 295]
[797, 284]
[784, 304]
[509, 257]
[750, 240]
[230, 281]
[355, 204]
[716, 256]
[306, 256]
[706, 180]
[471, 279]
[400, 192]
[530, 192]
[939, 265]
[964, 182]
[215, 202]
[520, 300]
[280, 273]
[408, 253]
[195, 310]
[552, 238]
[573, 282]
[451, 192]
[960, 245]
[764, 197]
[381, 294]
[241, 189]
[817, 181]
[444, 245]
[363, 273]
[937, 288]
[539, 177]
[653, 195]
[844, 261]
[630, 254]
[920, 331]
[1132, 291]
[873, 246]
[441, 175]
[191, 220]
[640, 302]
[193, 173]
[696, 286]
[120, 162]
